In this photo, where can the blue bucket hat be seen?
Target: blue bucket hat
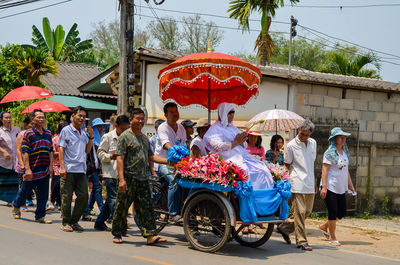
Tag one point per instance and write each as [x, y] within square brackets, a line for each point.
[338, 131]
[96, 134]
[331, 153]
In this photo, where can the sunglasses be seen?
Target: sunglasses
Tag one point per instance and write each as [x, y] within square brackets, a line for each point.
[231, 112]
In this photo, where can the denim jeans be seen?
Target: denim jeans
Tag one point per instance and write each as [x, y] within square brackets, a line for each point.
[108, 210]
[174, 190]
[55, 196]
[41, 187]
[95, 195]
[29, 195]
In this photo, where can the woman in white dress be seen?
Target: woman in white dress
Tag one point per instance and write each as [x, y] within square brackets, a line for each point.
[227, 140]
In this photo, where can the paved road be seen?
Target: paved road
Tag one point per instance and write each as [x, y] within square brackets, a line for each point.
[25, 242]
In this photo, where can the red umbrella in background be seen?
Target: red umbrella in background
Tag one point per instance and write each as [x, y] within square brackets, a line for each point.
[25, 93]
[208, 79]
[46, 106]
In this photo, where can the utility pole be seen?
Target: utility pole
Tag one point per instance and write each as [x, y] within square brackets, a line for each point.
[126, 90]
[126, 62]
[293, 33]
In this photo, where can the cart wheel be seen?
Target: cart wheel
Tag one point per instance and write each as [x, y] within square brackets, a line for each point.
[160, 205]
[254, 235]
[206, 223]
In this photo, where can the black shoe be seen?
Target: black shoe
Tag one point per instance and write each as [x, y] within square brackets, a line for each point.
[284, 235]
[102, 227]
[88, 218]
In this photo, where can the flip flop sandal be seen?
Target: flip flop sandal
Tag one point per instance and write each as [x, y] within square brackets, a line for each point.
[326, 234]
[24, 209]
[157, 240]
[117, 240]
[305, 247]
[177, 219]
[88, 219]
[77, 227]
[335, 243]
[67, 228]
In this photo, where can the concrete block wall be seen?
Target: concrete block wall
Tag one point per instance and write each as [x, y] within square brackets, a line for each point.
[378, 115]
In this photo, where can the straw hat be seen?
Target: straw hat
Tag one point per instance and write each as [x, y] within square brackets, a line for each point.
[256, 133]
[202, 122]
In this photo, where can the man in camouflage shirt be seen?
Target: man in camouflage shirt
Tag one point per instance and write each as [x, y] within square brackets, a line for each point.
[133, 155]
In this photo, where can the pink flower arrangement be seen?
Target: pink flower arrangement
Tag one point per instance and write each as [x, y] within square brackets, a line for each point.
[210, 169]
[279, 173]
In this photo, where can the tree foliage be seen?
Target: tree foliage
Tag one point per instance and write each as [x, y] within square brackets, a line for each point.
[308, 55]
[167, 33]
[106, 38]
[67, 48]
[316, 57]
[356, 66]
[192, 37]
[196, 32]
[242, 9]
[19, 65]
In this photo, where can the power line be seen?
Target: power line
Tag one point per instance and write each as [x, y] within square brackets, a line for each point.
[206, 15]
[159, 20]
[17, 3]
[279, 22]
[343, 6]
[199, 24]
[352, 43]
[31, 10]
[278, 32]
[347, 51]
[343, 47]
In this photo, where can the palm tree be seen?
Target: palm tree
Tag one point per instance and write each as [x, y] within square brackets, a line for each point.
[340, 64]
[70, 48]
[241, 10]
[34, 63]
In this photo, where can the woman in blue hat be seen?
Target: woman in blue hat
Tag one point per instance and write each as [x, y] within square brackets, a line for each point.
[335, 181]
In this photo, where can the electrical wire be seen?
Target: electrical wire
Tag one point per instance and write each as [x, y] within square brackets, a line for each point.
[17, 3]
[274, 21]
[199, 24]
[207, 15]
[352, 43]
[343, 6]
[31, 10]
[277, 32]
[155, 15]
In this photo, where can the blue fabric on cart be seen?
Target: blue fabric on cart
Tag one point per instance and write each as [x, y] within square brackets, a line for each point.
[264, 202]
[252, 202]
[177, 152]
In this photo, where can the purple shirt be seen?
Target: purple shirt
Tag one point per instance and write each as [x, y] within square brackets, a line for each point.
[8, 141]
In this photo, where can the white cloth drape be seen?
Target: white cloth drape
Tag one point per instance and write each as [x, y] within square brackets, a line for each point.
[219, 138]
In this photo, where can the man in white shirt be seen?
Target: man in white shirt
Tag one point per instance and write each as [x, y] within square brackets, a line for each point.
[170, 133]
[108, 158]
[153, 143]
[300, 155]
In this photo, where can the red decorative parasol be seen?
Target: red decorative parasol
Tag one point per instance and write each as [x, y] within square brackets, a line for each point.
[25, 93]
[208, 79]
[46, 106]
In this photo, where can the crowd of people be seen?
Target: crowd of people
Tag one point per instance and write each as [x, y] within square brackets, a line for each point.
[124, 158]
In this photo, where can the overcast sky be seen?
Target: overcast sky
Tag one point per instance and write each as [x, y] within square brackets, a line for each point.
[377, 28]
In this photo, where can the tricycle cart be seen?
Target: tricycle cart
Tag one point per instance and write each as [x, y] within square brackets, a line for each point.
[211, 217]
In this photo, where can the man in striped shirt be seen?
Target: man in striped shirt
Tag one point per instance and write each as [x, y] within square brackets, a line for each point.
[37, 150]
